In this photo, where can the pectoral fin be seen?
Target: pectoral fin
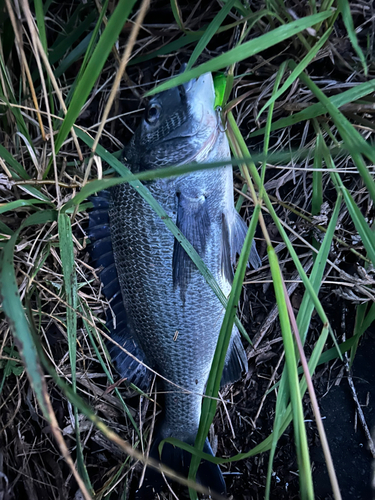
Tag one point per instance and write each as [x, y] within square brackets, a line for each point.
[194, 223]
[232, 241]
[235, 360]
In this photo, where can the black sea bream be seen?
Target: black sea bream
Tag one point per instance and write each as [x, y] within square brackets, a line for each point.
[166, 313]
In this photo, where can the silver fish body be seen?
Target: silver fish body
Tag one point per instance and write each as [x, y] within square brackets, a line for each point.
[172, 314]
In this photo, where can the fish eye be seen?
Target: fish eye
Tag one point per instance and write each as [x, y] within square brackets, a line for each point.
[153, 113]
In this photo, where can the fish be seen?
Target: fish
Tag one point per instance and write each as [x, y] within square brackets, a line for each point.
[162, 310]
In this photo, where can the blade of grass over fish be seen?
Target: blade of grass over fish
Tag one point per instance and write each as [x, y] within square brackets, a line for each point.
[301, 65]
[27, 348]
[306, 486]
[213, 384]
[353, 140]
[243, 51]
[344, 8]
[177, 170]
[318, 109]
[94, 67]
[147, 196]
[210, 31]
[71, 290]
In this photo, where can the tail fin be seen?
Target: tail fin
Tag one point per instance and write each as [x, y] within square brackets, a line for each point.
[209, 474]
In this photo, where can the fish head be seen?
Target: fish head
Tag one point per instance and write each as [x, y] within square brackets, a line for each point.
[179, 126]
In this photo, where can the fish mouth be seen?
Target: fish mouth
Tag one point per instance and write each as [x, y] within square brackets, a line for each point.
[199, 92]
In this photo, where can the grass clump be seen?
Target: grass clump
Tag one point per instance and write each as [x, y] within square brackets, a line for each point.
[298, 104]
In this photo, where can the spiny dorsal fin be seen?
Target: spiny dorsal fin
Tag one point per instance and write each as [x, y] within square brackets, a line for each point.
[117, 321]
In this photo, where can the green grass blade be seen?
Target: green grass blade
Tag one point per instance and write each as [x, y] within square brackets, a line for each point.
[213, 384]
[13, 205]
[94, 67]
[244, 51]
[73, 56]
[318, 109]
[15, 166]
[191, 38]
[14, 311]
[177, 14]
[317, 191]
[301, 445]
[59, 51]
[38, 4]
[211, 30]
[71, 290]
[255, 175]
[353, 140]
[301, 66]
[367, 236]
[344, 8]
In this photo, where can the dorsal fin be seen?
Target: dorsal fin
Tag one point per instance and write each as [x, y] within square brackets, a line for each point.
[117, 320]
[233, 237]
